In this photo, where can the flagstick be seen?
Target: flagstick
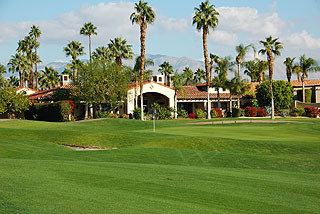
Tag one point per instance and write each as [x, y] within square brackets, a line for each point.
[154, 124]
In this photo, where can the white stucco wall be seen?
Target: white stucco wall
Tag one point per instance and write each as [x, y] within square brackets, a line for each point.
[213, 90]
[151, 87]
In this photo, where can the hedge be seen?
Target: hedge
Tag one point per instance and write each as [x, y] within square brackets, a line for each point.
[52, 112]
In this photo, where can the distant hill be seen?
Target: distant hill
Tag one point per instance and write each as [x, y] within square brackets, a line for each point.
[179, 63]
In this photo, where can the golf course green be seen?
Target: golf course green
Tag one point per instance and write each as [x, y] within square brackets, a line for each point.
[222, 168]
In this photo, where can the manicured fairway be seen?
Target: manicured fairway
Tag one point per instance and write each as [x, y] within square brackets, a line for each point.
[230, 168]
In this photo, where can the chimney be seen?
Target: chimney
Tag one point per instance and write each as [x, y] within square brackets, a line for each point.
[64, 79]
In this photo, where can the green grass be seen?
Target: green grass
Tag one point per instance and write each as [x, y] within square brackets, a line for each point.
[230, 168]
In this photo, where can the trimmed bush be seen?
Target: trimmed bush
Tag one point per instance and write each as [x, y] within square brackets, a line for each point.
[183, 113]
[52, 112]
[250, 111]
[137, 113]
[236, 112]
[308, 95]
[216, 113]
[261, 112]
[298, 111]
[162, 112]
[200, 114]
[312, 112]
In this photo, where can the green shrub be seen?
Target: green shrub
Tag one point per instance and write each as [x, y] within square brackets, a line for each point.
[183, 114]
[200, 114]
[137, 113]
[236, 112]
[298, 111]
[162, 112]
[308, 95]
[102, 114]
[53, 112]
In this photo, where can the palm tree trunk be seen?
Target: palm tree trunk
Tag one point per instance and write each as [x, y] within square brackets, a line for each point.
[219, 104]
[175, 105]
[74, 69]
[205, 51]
[90, 47]
[23, 75]
[36, 64]
[143, 28]
[270, 58]
[303, 91]
[238, 101]
[31, 79]
[239, 71]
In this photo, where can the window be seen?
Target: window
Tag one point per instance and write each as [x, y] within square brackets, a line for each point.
[65, 78]
[216, 89]
[155, 79]
[160, 79]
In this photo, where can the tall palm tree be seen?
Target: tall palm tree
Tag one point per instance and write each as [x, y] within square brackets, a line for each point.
[240, 87]
[199, 75]
[177, 82]
[289, 67]
[22, 48]
[206, 17]
[15, 65]
[218, 82]
[137, 74]
[305, 66]
[35, 34]
[143, 16]
[271, 47]
[89, 29]
[242, 52]
[120, 49]
[30, 42]
[49, 78]
[102, 53]
[166, 69]
[74, 49]
[187, 75]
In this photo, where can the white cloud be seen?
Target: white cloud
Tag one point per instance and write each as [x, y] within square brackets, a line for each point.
[111, 19]
[303, 40]
[173, 24]
[248, 20]
[224, 37]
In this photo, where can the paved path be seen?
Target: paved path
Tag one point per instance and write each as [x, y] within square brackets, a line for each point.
[2, 120]
[239, 121]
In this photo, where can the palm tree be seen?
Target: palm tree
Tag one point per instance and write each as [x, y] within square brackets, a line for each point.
[15, 65]
[199, 75]
[22, 48]
[271, 47]
[239, 88]
[302, 69]
[89, 29]
[213, 58]
[102, 53]
[35, 34]
[137, 74]
[74, 49]
[3, 70]
[119, 49]
[255, 69]
[166, 69]
[177, 82]
[187, 75]
[30, 43]
[206, 17]
[14, 81]
[218, 82]
[49, 78]
[143, 16]
[289, 67]
[242, 52]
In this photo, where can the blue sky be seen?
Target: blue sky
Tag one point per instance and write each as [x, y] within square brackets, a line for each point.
[295, 22]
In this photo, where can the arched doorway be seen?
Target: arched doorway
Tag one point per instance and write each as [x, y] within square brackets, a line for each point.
[153, 97]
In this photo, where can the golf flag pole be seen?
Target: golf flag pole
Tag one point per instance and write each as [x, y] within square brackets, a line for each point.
[154, 121]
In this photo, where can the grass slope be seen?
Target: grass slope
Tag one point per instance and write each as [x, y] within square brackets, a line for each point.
[234, 168]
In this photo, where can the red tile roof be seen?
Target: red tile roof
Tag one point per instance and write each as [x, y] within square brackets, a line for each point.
[47, 94]
[193, 93]
[306, 82]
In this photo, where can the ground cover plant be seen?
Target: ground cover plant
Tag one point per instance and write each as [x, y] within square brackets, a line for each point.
[229, 168]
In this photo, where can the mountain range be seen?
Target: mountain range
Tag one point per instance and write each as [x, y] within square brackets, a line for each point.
[179, 63]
